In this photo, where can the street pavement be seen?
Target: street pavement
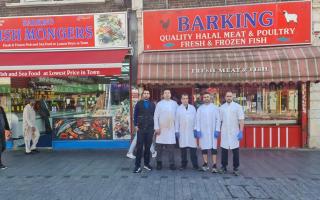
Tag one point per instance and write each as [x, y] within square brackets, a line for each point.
[107, 174]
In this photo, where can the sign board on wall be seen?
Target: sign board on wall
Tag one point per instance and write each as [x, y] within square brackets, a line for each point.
[228, 26]
[106, 30]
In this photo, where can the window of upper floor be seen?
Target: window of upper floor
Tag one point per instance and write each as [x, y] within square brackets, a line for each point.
[27, 3]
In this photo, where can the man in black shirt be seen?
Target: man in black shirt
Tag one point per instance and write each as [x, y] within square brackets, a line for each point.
[143, 122]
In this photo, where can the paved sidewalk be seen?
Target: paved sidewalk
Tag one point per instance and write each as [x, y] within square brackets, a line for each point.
[107, 174]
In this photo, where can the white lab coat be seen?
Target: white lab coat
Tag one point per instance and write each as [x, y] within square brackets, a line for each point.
[208, 121]
[185, 124]
[230, 115]
[164, 118]
[29, 121]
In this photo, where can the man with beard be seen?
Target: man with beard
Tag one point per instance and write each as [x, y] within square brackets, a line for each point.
[208, 125]
[144, 125]
[164, 126]
[31, 132]
[232, 119]
[185, 124]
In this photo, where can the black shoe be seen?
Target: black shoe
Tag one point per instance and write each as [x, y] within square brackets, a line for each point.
[147, 167]
[172, 167]
[223, 170]
[2, 167]
[35, 151]
[183, 167]
[159, 165]
[28, 153]
[137, 170]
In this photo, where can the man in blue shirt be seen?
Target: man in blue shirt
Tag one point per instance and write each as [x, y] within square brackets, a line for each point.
[144, 125]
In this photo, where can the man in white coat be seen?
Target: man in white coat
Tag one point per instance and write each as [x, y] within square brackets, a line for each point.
[208, 124]
[164, 119]
[30, 131]
[232, 119]
[185, 125]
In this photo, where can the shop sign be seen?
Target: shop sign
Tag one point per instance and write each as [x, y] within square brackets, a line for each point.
[254, 25]
[106, 30]
[237, 69]
[62, 72]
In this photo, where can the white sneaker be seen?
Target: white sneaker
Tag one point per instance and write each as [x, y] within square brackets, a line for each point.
[205, 167]
[154, 154]
[130, 155]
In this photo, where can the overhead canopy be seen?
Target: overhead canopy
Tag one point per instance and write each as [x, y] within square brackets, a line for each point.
[62, 63]
[300, 63]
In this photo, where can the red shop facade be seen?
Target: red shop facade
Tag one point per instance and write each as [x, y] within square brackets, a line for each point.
[75, 64]
[260, 52]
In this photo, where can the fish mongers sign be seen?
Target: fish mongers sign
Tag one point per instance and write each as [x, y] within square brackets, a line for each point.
[225, 27]
[105, 30]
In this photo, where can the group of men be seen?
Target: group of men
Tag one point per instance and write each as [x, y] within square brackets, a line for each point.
[192, 128]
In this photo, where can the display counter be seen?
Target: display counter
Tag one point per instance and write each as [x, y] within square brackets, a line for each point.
[272, 136]
[81, 127]
[85, 132]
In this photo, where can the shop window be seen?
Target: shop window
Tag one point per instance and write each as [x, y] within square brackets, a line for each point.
[276, 102]
[81, 108]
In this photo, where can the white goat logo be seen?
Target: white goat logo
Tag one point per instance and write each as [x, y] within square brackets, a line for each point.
[290, 17]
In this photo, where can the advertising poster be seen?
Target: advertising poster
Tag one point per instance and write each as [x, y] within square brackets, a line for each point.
[106, 30]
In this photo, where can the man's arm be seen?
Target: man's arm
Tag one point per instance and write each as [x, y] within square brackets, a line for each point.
[241, 118]
[198, 120]
[6, 124]
[135, 114]
[177, 121]
[241, 123]
[217, 120]
[156, 119]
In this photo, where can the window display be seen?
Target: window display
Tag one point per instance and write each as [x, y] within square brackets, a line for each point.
[81, 108]
[274, 101]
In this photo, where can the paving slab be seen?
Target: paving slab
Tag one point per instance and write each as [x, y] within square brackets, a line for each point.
[107, 174]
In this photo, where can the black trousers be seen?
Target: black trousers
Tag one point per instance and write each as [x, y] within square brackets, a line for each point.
[160, 148]
[193, 157]
[144, 139]
[224, 158]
